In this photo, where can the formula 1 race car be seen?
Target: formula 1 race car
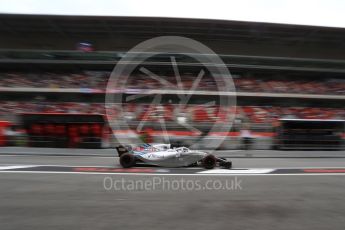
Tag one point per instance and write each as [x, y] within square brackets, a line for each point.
[165, 156]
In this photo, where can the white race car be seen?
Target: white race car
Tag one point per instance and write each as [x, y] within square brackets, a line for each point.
[165, 156]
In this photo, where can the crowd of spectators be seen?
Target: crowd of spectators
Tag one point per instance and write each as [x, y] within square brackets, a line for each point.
[305, 86]
[180, 114]
[92, 80]
[98, 80]
[17, 107]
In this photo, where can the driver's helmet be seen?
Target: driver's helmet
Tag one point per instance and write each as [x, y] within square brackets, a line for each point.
[182, 149]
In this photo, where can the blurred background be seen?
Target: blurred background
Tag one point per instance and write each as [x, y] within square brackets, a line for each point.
[54, 70]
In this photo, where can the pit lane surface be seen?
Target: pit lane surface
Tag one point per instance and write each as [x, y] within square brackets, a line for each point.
[113, 161]
[80, 201]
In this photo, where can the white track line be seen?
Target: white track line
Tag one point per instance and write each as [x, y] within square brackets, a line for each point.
[182, 168]
[172, 174]
[15, 167]
[237, 171]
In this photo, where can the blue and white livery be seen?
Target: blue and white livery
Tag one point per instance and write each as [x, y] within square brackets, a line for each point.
[165, 156]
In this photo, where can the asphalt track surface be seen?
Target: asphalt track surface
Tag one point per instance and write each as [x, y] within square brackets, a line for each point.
[87, 199]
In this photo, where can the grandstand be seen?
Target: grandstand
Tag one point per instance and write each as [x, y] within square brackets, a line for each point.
[280, 71]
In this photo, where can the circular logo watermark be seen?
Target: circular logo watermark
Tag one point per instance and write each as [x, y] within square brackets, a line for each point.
[121, 99]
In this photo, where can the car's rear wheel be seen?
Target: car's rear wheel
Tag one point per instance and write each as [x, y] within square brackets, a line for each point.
[209, 161]
[127, 160]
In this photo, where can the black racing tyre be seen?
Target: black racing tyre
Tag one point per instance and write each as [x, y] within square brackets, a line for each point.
[127, 160]
[209, 161]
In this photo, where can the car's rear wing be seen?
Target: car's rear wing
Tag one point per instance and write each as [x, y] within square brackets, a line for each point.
[126, 149]
[121, 150]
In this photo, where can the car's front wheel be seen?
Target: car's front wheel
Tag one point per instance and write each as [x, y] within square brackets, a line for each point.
[209, 161]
